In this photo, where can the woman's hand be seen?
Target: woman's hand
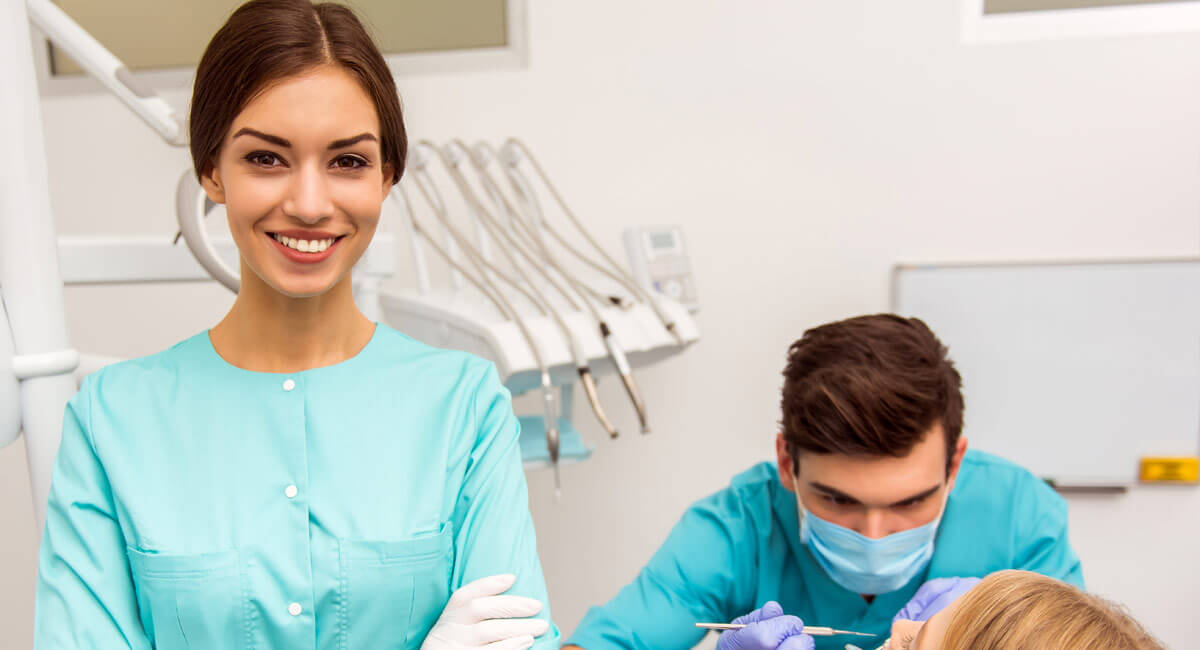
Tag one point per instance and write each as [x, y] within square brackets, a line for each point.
[478, 616]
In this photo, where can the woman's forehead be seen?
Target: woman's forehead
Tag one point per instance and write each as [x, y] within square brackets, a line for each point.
[317, 107]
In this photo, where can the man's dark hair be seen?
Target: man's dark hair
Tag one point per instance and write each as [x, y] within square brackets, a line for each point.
[869, 386]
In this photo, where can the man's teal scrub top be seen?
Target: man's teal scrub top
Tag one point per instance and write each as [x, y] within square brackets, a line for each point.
[198, 505]
[739, 548]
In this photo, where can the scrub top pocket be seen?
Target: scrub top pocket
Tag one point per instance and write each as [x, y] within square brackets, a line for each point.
[190, 601]
[394, 591]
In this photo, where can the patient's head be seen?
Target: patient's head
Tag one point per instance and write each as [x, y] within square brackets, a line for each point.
[1020, 609]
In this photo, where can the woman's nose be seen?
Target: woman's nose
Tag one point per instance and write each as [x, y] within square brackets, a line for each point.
[308, 197]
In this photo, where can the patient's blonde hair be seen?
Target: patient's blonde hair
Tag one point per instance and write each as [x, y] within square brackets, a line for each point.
[1020, 609]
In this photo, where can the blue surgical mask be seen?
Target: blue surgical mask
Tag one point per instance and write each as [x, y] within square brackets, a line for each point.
[864, 565]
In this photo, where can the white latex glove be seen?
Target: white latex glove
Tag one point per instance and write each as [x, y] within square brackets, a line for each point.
[478, 616]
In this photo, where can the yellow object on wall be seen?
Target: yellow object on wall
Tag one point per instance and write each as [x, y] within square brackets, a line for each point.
[1181, 469]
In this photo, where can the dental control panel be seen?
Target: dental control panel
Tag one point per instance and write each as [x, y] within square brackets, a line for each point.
[659, 260]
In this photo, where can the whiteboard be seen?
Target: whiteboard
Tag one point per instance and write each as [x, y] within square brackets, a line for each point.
[1074, 370]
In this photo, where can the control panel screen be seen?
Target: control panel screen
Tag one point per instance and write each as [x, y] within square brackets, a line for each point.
[662, 240]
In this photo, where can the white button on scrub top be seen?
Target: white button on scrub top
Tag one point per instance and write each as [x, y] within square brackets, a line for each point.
[289, 384]
[290, 491]
[294, 609]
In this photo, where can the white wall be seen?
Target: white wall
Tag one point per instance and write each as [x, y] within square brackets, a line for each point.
[804, 147]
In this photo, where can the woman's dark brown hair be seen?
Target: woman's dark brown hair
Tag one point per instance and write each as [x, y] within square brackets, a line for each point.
[869, 386]
[266, 41]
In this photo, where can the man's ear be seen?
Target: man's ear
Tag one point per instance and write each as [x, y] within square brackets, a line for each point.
[210, 180]
[786, 464]
[960, 450]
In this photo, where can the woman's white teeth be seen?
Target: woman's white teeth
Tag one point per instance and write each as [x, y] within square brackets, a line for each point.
[305, 245]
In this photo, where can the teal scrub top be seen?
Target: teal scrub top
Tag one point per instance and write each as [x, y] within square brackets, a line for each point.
[739, 548]
[194, 504]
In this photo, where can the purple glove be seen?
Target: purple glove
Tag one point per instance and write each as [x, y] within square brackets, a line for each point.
[767, 629]
[933, 597]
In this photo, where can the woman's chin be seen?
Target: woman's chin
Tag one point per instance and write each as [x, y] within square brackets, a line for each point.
[303, 287]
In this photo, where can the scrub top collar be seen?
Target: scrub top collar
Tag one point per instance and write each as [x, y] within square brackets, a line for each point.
[205, 352]
[822, 588]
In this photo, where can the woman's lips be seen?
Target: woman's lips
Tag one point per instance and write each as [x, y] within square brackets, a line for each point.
[301, 257]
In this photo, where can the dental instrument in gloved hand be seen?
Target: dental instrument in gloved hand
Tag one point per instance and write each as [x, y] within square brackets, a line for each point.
[766, 629]
[812, 630]
[478, 616]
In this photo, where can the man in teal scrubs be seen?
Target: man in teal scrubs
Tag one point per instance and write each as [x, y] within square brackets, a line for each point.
[873, 494]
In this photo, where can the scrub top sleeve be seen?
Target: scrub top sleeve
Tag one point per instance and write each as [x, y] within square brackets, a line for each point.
[85, 594]
[493, 530]
[1044, 543]
[704, 572]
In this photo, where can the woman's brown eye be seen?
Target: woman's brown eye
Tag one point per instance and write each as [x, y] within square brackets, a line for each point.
[350, 162]
[262, 159]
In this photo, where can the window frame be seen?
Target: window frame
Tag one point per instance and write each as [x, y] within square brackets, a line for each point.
[169, 81]
[1060, 24]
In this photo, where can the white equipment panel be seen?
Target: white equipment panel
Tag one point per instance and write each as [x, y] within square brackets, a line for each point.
[659, 260]
[1073, 370]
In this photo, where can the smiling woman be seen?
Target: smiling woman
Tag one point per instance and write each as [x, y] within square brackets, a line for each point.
[303, 117]
[297, 476]
[303, 195]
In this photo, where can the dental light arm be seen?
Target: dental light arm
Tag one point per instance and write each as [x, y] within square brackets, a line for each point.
[107, 69]
[191, 206]
[190, 201]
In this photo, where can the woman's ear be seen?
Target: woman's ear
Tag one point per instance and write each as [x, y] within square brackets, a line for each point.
[389, 179]
[210, 180]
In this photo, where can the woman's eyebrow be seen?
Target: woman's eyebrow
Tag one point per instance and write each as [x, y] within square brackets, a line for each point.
[273, 139]
[276, 140]
[346, 142]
